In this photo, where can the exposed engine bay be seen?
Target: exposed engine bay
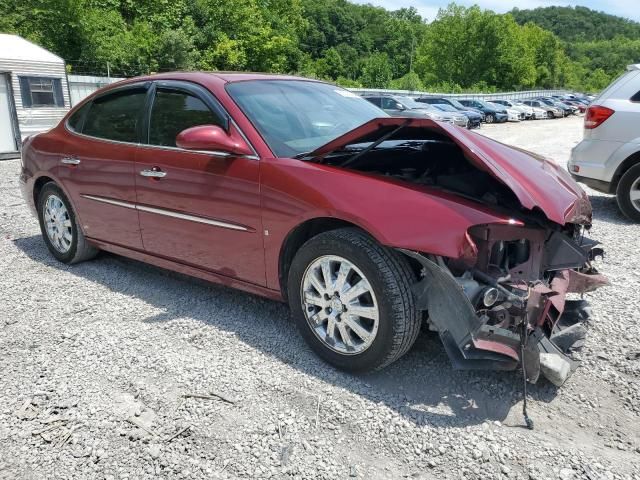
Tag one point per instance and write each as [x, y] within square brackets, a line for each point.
[421, 162]
[504, 303]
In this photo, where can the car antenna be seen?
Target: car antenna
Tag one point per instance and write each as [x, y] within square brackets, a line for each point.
[373, 145]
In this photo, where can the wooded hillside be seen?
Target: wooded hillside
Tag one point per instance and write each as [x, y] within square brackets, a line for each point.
[355, 45]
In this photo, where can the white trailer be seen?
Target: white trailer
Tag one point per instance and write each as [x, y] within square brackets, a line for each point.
[34, 94]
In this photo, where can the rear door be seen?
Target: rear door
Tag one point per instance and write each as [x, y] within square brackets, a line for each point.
[198, 208]
[98, 167]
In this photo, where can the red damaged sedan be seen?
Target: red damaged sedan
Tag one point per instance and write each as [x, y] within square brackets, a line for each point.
[300, 191]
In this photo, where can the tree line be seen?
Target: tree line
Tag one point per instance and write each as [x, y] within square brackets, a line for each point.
[463, 49]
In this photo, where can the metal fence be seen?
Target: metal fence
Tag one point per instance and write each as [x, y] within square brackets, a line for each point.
[480, 96]
[81, 86]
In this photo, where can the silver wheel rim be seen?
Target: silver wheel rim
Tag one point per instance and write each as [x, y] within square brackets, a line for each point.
[634, 194]
[340, 305]
[57, 224]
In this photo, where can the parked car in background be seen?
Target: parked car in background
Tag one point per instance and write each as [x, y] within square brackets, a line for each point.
[552, 102]
[512, 114]
[402, 106]
[527, 111]
[608, 158]
[552, 112]
[538, 113]
[475, 118]
[491, 113]
[303, 192]
[580, 106]
[449, 101]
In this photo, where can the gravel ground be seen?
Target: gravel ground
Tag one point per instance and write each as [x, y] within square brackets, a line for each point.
[96, 360]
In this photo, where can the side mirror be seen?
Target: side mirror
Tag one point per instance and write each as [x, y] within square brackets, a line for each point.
[399, 106]
[213, 138]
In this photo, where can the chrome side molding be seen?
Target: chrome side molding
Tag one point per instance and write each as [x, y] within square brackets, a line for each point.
[168, 213]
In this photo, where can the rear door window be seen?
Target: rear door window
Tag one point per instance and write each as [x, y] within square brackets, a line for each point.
[374, 100]
[174, 111]
[116, 116]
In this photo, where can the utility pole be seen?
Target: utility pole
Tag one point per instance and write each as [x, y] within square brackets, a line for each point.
[413, 44]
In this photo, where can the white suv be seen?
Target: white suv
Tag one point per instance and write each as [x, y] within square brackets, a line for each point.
[608, 159]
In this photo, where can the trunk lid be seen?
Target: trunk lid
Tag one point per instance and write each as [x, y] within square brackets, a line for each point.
[537, 183]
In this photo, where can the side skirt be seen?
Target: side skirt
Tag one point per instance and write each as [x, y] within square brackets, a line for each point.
[188, 270]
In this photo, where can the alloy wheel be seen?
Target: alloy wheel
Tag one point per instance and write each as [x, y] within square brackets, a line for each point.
[58, 224]
[340, 305]
[634, 194]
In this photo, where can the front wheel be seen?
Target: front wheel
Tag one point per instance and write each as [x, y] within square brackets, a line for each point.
[490, 118]
[59, 227]
[350, 298]
[628, 193]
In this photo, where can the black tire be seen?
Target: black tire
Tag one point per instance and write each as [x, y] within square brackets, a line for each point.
[390, 277]
[631, 179]
[489, 118]
[550, 115]
[79, 250]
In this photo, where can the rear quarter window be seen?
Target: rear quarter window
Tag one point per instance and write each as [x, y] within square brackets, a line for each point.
[76, 121]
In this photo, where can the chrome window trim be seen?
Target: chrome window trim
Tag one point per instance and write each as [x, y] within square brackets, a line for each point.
[211, 153]
[168, 213]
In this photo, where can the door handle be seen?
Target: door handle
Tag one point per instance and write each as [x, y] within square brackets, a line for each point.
[155, 172]
[70, 161]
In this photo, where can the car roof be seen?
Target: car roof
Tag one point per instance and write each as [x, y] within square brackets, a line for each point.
[229, 77]
[208, 78]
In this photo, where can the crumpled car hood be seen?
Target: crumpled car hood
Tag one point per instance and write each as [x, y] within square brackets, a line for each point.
[537, 183]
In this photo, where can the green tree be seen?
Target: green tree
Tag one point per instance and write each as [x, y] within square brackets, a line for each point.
[411, 81]
[330, 65]
[469, 45]
[376, 71]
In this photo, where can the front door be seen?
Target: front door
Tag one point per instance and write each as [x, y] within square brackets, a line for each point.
[198, 208]
[7, 135]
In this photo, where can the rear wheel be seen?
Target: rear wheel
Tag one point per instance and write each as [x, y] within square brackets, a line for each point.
[350, 298]
[628, 193]
[60, 231]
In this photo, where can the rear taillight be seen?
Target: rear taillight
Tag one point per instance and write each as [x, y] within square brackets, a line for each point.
[596, 115]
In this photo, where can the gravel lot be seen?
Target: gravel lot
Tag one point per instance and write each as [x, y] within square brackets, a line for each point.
[95, 361]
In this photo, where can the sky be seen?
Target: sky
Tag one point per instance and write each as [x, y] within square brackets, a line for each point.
[429, 8]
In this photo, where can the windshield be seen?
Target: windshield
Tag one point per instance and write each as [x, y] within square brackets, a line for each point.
[297, 116]
[446, 108]
[456, 103]
[410, 102]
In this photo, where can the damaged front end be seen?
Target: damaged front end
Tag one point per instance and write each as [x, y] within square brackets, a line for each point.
[506, 304]
[495, 289]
